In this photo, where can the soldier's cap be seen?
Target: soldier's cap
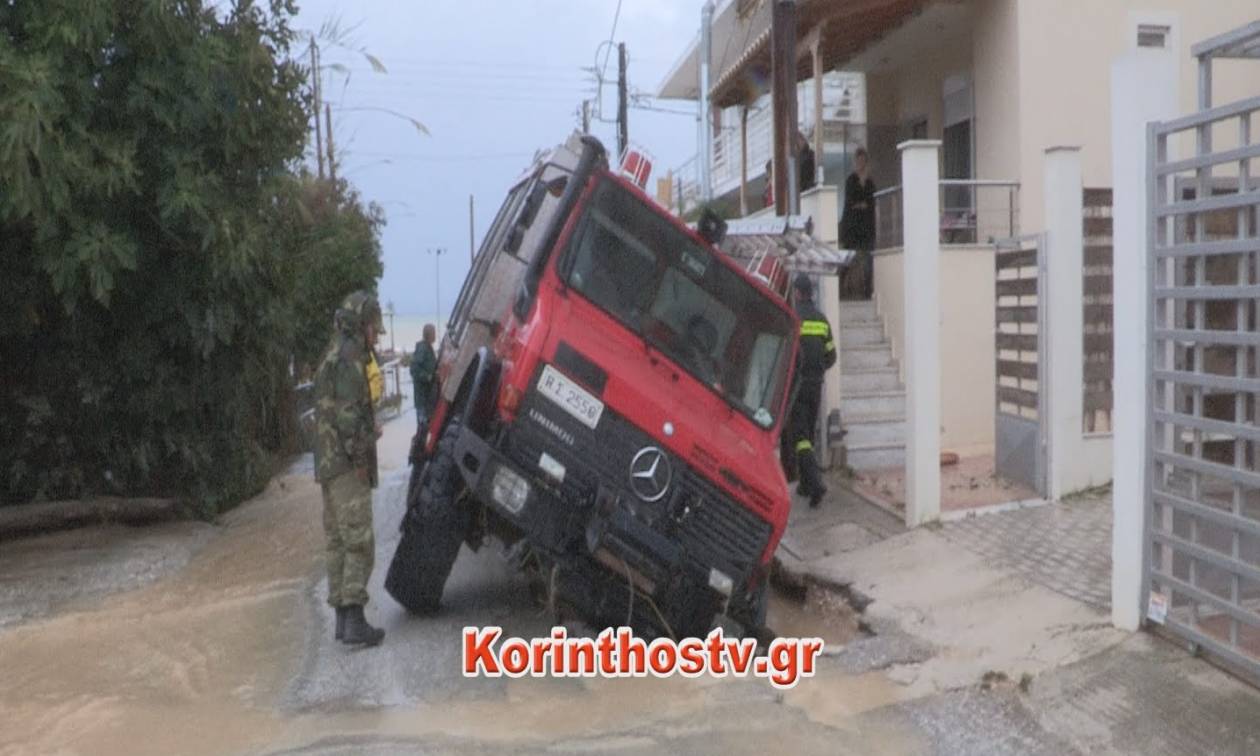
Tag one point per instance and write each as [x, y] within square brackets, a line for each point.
[803, 284]
[358, 309]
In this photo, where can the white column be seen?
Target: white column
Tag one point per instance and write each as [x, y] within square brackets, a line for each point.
[1064, 317]
[1144, 88]
[920, 170]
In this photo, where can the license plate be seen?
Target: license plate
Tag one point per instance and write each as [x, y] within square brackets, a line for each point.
[571, 397]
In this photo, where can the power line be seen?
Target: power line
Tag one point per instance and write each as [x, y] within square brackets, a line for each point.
[488, 86]
[484, 76]
[479, 63]
[688, 113]
[611, 35]
[445, 158]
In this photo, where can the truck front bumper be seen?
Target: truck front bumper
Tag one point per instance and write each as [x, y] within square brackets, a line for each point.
[587, 538]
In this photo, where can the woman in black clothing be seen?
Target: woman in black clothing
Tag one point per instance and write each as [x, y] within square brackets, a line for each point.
[857, 225]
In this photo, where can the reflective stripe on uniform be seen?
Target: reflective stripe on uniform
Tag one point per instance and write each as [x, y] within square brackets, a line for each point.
[804, 445]
[815, 328]
[830, 346]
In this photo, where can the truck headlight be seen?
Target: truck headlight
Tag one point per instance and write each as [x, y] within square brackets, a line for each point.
[721, 582]
[509, 490]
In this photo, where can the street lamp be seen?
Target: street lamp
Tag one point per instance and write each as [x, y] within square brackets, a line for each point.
[437, 253]
[389, 311]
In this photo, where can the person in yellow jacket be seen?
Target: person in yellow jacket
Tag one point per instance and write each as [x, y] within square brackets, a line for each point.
[376, 380]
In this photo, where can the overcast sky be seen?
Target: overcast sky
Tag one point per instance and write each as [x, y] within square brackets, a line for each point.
[493, 80]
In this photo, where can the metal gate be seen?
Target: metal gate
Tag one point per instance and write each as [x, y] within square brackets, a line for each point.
[1020, 441]
[1203, 488]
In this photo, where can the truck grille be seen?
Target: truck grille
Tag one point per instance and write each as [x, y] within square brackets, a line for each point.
[713, 529]
[716, 530]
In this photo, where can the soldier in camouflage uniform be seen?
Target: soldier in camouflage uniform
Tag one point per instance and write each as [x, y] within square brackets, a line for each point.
[345, 463]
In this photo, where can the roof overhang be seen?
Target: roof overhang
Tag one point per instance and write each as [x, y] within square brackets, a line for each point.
[740, 61]
[733, 20]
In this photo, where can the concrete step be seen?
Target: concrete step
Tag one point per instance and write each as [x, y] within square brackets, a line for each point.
[864, 381]
[872, 403]
[875, 456]
[869, 357]
[861, 335]
[858, 311]
[874, 429]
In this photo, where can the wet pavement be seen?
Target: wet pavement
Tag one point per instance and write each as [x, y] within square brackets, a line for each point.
[205, 639]
[195, 638]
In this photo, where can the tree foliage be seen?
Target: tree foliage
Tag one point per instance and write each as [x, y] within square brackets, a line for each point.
[158, 246]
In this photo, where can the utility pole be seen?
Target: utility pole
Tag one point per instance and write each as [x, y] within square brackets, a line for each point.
[472, 251]
[315, 93]
[437, 253]
[389, 312]
[586, 116]
[623, 125]
[706, 125]
[783, 97]
[332, 164]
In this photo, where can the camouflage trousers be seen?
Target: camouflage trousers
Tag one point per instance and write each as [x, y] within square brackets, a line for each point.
[351, 545]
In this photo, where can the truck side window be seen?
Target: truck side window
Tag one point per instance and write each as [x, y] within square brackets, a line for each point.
[490, 246]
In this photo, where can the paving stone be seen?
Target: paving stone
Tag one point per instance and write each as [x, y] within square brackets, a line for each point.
[1065, 547]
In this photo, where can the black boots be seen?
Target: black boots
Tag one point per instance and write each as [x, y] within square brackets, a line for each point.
[817, 496]
[340, 632]
[355, 630]
[811, 485]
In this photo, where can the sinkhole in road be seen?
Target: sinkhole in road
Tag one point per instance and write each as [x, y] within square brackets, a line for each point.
[814, 610]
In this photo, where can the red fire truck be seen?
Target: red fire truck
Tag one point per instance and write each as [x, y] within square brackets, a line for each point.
[612, 393]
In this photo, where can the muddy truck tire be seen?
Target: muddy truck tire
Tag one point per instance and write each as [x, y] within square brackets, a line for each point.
[433, 529]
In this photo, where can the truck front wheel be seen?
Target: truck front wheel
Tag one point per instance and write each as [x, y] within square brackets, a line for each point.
[433, 529]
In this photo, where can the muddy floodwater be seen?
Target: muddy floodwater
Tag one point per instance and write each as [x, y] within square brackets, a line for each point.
[190, 638]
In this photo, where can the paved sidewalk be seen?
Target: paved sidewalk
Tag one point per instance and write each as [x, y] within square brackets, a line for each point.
[1065, 547]
[992, 633]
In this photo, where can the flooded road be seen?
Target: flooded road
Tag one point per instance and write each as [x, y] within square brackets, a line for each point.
[216, 639]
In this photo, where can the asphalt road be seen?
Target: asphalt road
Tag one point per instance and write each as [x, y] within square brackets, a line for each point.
[209, 639]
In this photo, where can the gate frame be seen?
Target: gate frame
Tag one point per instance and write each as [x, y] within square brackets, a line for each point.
[1041, 470]
[1164, 210]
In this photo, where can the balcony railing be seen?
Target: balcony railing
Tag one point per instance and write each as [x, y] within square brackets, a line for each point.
[973, 211]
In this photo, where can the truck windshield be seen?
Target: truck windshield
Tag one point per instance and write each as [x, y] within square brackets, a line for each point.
[633, 263]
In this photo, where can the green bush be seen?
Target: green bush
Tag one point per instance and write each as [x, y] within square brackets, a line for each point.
[153, 227]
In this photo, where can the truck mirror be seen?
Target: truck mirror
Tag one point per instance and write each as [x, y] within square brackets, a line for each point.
[556, 185]
[514, 239]
[711, 227]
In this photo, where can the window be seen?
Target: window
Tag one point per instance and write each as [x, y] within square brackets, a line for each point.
[630, 261]
[1153, 35]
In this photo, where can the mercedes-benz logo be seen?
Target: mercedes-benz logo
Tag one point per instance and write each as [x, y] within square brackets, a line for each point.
[650, 474]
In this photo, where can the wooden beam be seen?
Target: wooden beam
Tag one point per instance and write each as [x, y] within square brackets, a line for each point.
[817, 66]
[783, 95]
[743, 160]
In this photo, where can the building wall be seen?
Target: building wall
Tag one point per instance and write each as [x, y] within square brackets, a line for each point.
[995, 53]
[968, 388]
[1066, 48]
[967, 349]
[897, 97]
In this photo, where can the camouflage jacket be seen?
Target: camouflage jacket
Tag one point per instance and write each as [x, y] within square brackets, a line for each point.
[345, 427]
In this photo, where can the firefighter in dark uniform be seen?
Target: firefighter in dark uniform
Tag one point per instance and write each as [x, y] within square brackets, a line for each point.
[816, 356]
